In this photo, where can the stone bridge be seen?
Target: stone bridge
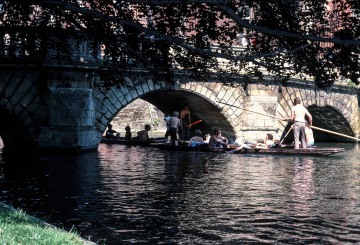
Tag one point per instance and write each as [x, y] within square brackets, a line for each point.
[58, 108]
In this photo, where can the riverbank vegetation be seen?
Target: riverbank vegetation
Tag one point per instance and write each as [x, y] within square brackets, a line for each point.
[18, 228]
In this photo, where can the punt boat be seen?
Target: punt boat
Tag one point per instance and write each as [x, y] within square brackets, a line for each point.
[285, 150]
[122, 141]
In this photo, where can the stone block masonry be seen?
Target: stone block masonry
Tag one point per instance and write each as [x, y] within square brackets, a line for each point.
[136, 115]
[64, 111]
[71, 122]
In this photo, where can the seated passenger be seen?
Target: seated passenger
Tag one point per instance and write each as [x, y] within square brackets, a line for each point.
[111, 134]
[217, 140]
[127, 133]
[241, 145]
[207, 138]
[144, 134]
[196, 140]
[309, 135]
[265, 144]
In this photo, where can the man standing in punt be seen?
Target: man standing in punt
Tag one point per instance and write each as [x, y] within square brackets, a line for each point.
[298, 113]
[185, 122]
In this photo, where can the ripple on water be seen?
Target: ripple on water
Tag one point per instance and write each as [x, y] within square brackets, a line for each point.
[144, 195]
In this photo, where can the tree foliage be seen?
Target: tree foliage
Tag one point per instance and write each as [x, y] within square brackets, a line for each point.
[311, 38]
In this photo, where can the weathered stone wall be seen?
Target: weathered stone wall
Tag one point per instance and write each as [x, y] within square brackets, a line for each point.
[136, 115]
[68, 113]
[71, 120]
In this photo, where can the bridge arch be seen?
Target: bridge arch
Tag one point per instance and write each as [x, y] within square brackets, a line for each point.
[207, 100]
[19, 108]
[335, 110]
[202, 97]
[63, 109]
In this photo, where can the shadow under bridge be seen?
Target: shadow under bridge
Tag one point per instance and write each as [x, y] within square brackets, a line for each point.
[200, 107]
[326, 118]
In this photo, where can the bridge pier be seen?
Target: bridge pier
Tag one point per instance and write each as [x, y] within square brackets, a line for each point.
[70, 121]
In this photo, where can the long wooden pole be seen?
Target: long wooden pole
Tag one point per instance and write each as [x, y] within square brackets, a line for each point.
[287, 119]
[332, 132]
[264, 114]
[285, 135]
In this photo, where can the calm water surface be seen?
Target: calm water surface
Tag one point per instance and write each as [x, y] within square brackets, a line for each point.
[123, 195]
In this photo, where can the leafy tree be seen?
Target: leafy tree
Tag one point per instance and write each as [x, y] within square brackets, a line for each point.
[196, 37]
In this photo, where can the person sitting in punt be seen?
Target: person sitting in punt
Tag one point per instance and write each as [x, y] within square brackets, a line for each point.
[217, 140]
[127, 133]
[265, 144]
[207, 138]
[309, 135]
[143, 135]
[261, 144]
[111, 134]
[196, 140]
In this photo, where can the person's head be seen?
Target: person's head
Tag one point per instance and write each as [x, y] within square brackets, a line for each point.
[186, 106]
[198, 133]
[175, 114]
[147, 127]
[216, 131]
[127, 128]
[269, 137]
[297, 101]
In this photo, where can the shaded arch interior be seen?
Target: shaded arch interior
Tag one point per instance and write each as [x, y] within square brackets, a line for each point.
[13, 132]
[326, 118]
[201, 108]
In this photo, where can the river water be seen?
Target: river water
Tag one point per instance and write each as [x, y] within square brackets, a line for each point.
[139, 195]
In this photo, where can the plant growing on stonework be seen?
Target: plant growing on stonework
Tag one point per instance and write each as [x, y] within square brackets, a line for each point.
[156, 122]
[311, 39]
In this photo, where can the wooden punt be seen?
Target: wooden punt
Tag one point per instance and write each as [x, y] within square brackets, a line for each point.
[122, 141]
[316, 151]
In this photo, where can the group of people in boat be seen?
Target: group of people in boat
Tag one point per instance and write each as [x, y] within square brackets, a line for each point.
[142, 135]
[179, 125]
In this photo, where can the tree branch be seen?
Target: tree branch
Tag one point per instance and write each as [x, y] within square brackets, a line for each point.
[265, 30]
[178, 41]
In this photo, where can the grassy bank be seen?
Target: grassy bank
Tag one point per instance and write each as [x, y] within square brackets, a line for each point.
[18, 228]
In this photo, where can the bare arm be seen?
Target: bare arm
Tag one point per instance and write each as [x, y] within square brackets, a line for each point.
[292, 114]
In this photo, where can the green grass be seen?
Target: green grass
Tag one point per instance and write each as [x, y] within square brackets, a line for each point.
[18, 228]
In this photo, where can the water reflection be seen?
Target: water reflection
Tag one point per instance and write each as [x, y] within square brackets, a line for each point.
[122, 195]
[303, 186]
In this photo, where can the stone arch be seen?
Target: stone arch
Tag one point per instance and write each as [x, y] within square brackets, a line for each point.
[332, 110]
[204, 95]
[20, 107]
